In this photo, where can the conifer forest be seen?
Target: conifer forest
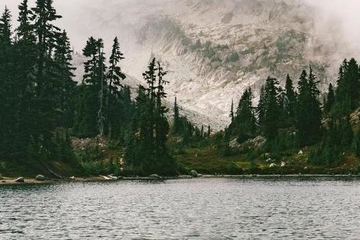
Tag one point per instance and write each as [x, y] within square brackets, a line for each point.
[45, 115]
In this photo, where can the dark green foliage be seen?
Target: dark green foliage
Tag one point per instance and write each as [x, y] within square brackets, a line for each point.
[348, 87]
[270, 109]
[147, 151]
[309, 114]
[5, 28]
[36, 82]
[356, 144]
[244, 121]
[90, 115]
[117, 97]
[330, 100]
[290, 102]
[178, 126]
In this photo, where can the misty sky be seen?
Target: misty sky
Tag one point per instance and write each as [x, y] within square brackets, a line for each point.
[80, 16]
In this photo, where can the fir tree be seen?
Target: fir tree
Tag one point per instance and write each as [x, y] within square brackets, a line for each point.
[150, 145]
[348, 87]
[113, 94]
[90, 104]
[330, 99]
[25, 29]
[5, 28]
[177, 121]
[271, 109]
[290, 101]
[244, 123]
[308, 119]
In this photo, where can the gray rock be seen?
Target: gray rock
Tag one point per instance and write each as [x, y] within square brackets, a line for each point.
[40, 177]
[155, 176]
[272, 165]
[112, 177]
[234, 144]
[194, 173]
[20, 180]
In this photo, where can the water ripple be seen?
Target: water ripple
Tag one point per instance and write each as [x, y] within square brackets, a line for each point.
[186, 209]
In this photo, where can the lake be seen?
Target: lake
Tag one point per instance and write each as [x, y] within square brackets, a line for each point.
[183, 209]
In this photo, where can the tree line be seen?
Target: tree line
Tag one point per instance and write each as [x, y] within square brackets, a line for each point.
[292, 118]
[42, 106]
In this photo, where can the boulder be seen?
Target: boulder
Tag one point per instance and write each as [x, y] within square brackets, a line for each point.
[112, 177]
[272, 165]
[155, 176]
[40, 177]
[20, 180]
[194, 173]
[234, 144]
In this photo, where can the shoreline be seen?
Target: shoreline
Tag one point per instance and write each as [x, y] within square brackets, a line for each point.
[31, 181]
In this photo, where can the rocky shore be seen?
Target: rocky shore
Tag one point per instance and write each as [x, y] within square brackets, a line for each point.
[101, 178]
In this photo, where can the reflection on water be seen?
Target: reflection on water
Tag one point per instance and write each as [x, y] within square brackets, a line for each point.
[182, 209]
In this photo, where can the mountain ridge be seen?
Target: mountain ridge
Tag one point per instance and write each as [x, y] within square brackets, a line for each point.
[213, 51]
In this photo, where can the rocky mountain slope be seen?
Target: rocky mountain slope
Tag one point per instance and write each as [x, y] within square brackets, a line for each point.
[213, 50]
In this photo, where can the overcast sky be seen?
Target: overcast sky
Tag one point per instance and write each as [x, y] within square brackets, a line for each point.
[80, 22]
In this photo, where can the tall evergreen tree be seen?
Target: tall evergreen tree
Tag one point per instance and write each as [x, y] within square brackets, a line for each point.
[64, 70]
[114, 86]
[148, 152]
[244, 123]
[177, 121]
[5, 28]
[7, 92]
[271, 109]
[308, 119]
[348, 86]
[290, 101]
[330, 99]
[90, 105]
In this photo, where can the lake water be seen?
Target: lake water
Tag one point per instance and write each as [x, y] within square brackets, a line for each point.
[183, 209]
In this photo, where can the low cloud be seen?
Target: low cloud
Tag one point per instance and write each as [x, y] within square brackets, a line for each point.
[84, 18]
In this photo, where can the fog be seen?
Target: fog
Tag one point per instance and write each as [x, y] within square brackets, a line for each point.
[84, 18]
[345, 13]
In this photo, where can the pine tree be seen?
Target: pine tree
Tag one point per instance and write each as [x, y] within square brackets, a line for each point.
[114, 86]
[308, 118]
[152, 127]
[290, 101]
[65, 103]
[244, 123]
[5, 28]
[7, 92]
[271, 109]
[261, 107]
[25, 28]
[348, 87]
[47, 84]
[330, 99]
[232, 115]
[177, 122]
[90, 115]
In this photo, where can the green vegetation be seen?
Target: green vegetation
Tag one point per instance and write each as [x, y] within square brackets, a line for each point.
[49, 123]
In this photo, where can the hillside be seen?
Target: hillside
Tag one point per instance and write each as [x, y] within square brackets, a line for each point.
[213, 50]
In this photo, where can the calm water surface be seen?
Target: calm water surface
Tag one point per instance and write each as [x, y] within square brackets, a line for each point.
[183, 209]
